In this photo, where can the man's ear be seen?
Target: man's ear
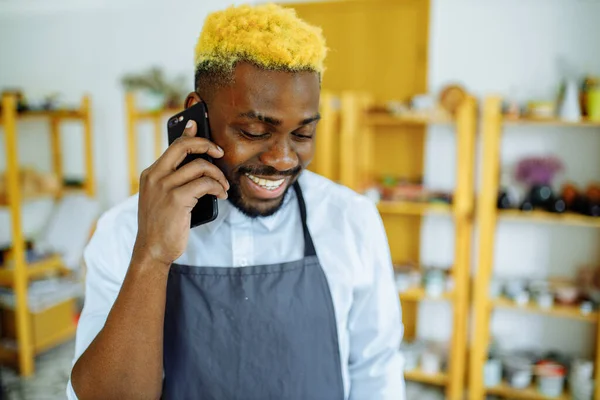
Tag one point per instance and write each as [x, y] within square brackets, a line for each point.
[192, 99]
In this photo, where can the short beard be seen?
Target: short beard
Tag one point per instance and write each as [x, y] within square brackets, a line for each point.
[235, 193]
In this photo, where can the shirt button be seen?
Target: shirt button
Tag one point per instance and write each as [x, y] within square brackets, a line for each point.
[244, 262]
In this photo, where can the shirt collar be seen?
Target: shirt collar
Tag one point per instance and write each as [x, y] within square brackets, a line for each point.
[228, 212]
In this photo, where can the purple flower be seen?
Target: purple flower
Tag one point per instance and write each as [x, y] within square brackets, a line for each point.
[534, 171]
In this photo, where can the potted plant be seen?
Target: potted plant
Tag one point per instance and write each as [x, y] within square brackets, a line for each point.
[154, 90]
[537, 174]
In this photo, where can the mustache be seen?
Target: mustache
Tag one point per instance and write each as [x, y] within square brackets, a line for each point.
[265, 170]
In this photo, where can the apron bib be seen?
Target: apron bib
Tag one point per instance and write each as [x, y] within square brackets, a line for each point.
[252, 333]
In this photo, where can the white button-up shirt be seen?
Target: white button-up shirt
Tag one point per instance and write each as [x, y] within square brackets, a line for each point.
[352, 248]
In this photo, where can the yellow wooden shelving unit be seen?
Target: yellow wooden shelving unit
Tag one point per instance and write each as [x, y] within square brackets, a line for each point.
[135, 116]
[364, 146]
[488, 216]
[30, 342]
[403, 223]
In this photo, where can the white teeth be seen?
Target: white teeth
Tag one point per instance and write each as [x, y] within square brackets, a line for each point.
[266, 183]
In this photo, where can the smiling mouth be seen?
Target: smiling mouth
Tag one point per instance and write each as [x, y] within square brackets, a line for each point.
[266, 183]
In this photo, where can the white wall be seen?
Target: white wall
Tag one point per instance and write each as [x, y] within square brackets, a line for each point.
[509, 47]
[512, 48]
[76, 47]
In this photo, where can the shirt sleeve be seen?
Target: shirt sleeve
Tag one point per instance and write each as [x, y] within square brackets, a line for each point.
[375, 323]
[106, 261]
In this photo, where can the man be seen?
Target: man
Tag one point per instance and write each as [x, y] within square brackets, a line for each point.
[289, 293]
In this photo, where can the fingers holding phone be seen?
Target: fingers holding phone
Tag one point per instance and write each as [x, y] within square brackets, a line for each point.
[181, 181]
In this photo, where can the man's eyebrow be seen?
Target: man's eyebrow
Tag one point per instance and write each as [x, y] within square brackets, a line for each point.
[274, 121]
[261, 118]
[310, 120]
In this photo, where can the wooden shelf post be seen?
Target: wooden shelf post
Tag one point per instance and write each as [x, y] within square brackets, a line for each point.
[134, 179]
[487, 216]
[466, 126]
[25, 345]
[88, 143]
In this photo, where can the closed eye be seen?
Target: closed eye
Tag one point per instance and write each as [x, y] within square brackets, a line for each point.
[252, 135]
[302, 136]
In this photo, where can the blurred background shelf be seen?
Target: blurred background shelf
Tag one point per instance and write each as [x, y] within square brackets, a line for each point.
[66, 114]
[135, 116]
[551, 218]
[62, 191]
[413, 208]
[34, 332]
[584, 123]
[34, 270]
[489, 215]
[417, 375]
[386, 120]
[557, 310]
[162, 113]
[530, 393]
[419, 293]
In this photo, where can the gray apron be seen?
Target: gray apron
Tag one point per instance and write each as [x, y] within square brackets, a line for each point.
[259, 332]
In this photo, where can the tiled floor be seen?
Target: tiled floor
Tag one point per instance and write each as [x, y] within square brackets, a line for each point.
[49, 381]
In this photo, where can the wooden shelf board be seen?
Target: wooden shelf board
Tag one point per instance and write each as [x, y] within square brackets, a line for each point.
[63, 191]
[389, 120]
[418, 293]
[54, 340]
[530, 393]
[548, 217]
[72, 190]
[557, 310]
[156, 113]
[413, 208]
[57, 114]
[34, 270]
[550, 122]
[417, 375]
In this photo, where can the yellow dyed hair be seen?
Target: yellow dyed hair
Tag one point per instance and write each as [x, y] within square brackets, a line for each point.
[268, 35]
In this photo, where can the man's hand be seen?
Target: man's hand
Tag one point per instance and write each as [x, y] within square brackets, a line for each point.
[167, 196]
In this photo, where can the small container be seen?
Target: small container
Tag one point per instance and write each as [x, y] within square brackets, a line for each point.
[411, 359]
[586, 307]
[581, 382]
[567, 294]
[522, 298]
[434, 283]
[544, 300]
[402, 282]
[593, 105]
[518, 372]
[582, 369]
[492, 372]
[404, 277]
[551, 386]
[513, 288]
[551, 378]
[416, 278]
[411, 352]
[449, 284]
[431, 362]
[495, 288]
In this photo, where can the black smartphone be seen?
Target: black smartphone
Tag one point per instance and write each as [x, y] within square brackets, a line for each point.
[206, 209]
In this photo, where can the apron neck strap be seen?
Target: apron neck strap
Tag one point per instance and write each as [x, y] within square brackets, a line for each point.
[309, 247]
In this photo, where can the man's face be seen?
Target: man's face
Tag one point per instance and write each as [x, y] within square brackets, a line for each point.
[265, 122]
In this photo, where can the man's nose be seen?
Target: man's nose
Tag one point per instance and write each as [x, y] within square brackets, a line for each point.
[280, 155]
